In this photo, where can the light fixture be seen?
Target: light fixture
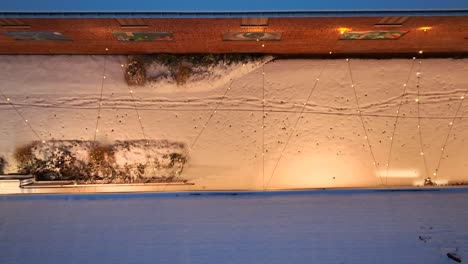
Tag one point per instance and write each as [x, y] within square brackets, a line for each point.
[425, 28]
[343, 30]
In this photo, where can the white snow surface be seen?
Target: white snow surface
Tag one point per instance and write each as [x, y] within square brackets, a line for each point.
[320, 227]
[325, 146]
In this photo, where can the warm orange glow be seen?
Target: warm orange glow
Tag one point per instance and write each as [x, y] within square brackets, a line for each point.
[343, 30]
[425, 28]
[253, 28]
[399, 173]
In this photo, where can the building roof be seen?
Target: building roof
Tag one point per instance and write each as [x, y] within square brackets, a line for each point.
[216, 8]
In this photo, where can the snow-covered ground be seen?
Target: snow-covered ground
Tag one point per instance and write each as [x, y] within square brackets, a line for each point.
[319, 227]
[320, 144]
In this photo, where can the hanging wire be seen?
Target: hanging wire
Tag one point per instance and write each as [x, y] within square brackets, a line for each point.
[140, 122]
[451, 125]
[22, 117]
[304, 106]
[362, 121]
[214, 111]
[421, 143]
[13, 105]
[263, 127]
[405, 87]
[96, 130]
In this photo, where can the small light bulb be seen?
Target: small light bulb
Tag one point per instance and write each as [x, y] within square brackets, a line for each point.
[263, 45]
[131, 91]
[8, 99]
[451, 123]
[417, 100]
[391, 138]
[347, 59]
[418, 73]
[43, 141]
[317, 79]
[462, 97]
[26, 120]
[97, 130]
[422, 153]
[414, 58]
[404, 85]
[330, 52]
[434, 174]
[352, 85]
[107, 49]
[420, 52]
[365, 137]
[104, 77]
[121, 65]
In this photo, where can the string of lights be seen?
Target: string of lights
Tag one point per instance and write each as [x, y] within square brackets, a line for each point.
[214, 111]
[362, 121]
[263, 127]
[395, 123]
[140, 122]
[294, 128]
[451, 125]
[96, 130]
[8, 100]
[418, 101]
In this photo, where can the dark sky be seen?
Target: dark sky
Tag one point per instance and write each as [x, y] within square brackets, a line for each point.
[217, 5]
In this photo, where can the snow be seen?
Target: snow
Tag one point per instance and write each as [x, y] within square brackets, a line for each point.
[59, 95]
[309, 227]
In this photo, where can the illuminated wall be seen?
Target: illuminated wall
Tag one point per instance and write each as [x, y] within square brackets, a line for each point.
[301, 124]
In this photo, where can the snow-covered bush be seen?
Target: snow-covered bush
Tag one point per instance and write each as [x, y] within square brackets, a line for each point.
[88, 161]
[181, 69]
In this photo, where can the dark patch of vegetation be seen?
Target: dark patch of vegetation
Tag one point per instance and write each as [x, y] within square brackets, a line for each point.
[135, 72]
[181, 67]
[3, 164]
[91, 162]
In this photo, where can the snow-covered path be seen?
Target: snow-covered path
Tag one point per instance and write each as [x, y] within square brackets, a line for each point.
[315, 133]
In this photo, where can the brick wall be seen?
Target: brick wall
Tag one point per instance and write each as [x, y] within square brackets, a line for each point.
[300, 36]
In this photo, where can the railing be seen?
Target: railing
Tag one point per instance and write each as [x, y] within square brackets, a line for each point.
[24, 180]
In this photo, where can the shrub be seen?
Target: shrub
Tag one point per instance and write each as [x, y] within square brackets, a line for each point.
[135, 72]
[182, 74]
[2, 165]
[88, 161]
